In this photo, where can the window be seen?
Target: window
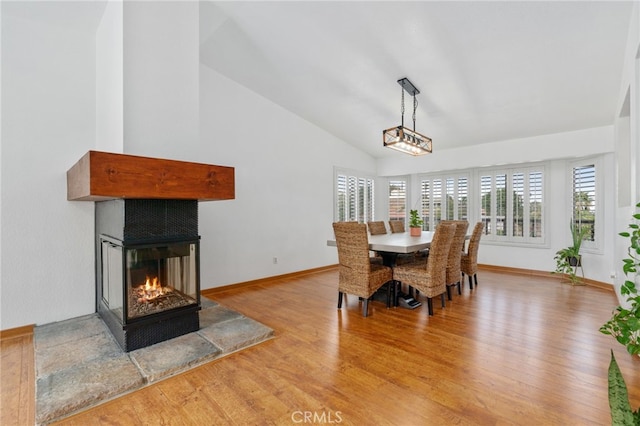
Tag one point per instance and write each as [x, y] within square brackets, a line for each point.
[501, 204]
[398, 199]
[535, 205]
[463, 196]
[518, 205]
[511, 205]
[443, 197]
[486, 184]
[353, 197]
[436, 203]
[425, 195]
[585, 201]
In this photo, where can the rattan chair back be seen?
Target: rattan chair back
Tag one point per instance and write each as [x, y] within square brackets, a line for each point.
[455, 251]
[377, 228]
[438, 259]
[469, 260]
[396, 226]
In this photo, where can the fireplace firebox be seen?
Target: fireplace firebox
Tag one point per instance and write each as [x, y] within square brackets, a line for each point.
[148, 273]
[157, 277]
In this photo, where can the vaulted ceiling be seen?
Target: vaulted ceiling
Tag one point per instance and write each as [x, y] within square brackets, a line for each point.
[487, 71]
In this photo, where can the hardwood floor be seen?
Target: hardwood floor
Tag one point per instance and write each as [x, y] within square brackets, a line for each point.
[17, 381]
[516, 350]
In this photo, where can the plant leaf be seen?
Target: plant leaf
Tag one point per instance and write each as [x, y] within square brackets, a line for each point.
[621, 413]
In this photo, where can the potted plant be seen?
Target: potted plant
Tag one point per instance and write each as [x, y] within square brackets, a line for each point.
[415, 223]
[624, 324]
[568, 259]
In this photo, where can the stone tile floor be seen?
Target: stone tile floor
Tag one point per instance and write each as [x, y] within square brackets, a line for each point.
[79, 364]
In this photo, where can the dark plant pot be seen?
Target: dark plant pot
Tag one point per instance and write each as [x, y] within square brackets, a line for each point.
[575, 261]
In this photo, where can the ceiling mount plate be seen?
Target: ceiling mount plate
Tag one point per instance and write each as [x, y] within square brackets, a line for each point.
[408, 86]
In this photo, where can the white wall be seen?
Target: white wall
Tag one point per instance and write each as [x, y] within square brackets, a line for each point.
[109, 80]
[48, 123]
[578, 143]
[627, 129]
[284, 186]
[1, 136]
[161, 84]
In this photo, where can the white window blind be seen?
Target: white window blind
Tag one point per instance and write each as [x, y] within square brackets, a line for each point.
[463, 197]
[443, 197]
[436, 202]
[486, 185]
[517, 208]
[535, 204]
[425, 193]
[511, 205]
[398, 199]
[450, 194]
[584, 198]
[501, 204]
[354, 197]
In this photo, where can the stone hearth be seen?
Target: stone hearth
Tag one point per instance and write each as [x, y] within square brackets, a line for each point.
[79, 364]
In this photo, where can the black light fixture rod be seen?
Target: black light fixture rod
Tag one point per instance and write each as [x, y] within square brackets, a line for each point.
[408, 86]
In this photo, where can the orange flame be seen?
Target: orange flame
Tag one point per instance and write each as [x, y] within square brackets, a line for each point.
[151, 289]
[151, 286]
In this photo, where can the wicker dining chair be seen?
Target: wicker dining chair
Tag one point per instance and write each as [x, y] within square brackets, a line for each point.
[469, 260]
[357, 274]
[454, 273]
[430, 276]
[377, 228]
[396, 226]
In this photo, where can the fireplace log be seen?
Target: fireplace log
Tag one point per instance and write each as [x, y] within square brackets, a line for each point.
[100, 176]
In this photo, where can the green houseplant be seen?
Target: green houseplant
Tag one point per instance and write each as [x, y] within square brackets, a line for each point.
[415, 223]
[624, 324]
[567, 259]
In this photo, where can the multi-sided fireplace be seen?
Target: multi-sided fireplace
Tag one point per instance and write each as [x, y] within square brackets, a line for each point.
[148, 274]
[147, 242]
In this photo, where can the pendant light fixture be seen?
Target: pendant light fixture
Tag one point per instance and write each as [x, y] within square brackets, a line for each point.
[406, 140]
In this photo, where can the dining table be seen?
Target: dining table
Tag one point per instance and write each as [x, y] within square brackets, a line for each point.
[389, 246]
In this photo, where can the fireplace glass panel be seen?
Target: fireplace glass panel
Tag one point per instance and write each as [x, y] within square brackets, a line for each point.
[112, 283]
[160, 278]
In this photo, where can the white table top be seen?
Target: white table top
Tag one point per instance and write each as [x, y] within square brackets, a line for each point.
[401, 242]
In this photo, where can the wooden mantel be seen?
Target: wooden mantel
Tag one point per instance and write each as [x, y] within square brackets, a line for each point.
[99, 176]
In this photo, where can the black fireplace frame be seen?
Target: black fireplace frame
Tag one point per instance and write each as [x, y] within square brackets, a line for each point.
[137, 223]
